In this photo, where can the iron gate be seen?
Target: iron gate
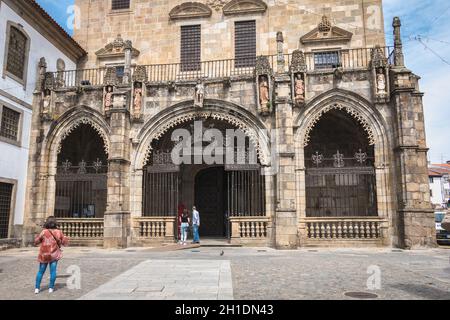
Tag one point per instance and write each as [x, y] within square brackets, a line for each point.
[341, 187]
[81, 191]
[246, 192]
[161, 191]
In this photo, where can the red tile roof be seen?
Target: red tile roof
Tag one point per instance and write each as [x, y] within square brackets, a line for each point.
[438, 169]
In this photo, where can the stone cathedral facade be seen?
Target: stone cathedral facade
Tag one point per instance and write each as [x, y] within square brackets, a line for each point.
[332, 115]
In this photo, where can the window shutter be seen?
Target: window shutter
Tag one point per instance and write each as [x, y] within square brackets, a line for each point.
[10, 124]
[16, 53]
[245, 44]
[190, 48]
[120, 4]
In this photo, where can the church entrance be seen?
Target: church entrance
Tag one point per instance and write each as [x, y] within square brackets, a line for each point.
[220, 190]
[210, 200]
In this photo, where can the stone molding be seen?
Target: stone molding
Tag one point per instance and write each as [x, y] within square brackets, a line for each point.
[190, 10]
[74, 124]
[116, 49]
[238, 7]
[326, 32]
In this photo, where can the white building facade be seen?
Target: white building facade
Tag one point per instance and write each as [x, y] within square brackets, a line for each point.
[440, 185]
[27, 34]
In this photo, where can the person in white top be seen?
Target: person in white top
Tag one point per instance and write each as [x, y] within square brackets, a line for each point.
[195, 224]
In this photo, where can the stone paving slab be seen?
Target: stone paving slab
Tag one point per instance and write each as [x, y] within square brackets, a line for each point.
[170, 280]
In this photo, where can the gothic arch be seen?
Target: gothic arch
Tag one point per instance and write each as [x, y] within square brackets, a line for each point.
[220, 110]
[71, 120]
[356, 106]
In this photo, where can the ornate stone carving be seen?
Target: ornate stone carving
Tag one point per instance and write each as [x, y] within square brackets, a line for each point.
[326, 32]
[110, 78]
[190, 10]
[117, 49]
[49, 82]
[46, 104]
[263, 66]
[191, 116]
[239, 7]
[199, 95]
[298, 63]
[380, 75]
[263, 75]
[399, 58]
[140, 74]
[216, 4]
[137, 100]
[299, 89]
[42, 72]
[298, 70]
[108, 98]
[337, 106]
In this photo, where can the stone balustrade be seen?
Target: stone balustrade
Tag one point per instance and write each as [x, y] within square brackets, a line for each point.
[154, 229]
[347, 229]
[82, 231]
[245, 230]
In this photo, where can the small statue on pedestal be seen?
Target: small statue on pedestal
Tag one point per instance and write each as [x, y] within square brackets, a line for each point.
[199, 94]
[137, 103]
[299, 90]
[108, 98]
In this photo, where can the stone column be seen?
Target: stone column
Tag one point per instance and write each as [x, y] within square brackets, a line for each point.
[128, 47]
[280, 56]
[399, 58]
[416, 227]
[117, 227]
[285, 213]
[38, 199]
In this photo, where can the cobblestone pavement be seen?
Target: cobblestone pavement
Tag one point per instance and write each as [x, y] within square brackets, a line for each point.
[257, 273]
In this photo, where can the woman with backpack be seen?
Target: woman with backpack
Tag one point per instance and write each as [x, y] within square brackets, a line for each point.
[50, 240]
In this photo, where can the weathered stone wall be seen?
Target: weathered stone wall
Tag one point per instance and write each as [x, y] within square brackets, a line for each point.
[152, 32]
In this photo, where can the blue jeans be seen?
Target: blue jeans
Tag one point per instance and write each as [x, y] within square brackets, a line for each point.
[196, 235]
[184, 231]
[40, 274]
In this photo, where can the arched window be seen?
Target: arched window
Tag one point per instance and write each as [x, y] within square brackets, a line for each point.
[340, 172]
[81, 180]
[16, 53]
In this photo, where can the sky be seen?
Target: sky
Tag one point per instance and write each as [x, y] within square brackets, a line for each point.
[426, 37]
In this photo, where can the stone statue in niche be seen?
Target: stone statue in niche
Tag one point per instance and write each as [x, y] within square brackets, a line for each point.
[299, 89]
[199, 94]
[137, 103]
[381, 82]
[46, 102]
[264, 96]
[108, 98]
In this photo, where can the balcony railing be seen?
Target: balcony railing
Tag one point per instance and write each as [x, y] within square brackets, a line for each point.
[348, 59]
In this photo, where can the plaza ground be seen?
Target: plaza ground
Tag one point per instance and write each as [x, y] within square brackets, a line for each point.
[206, 273]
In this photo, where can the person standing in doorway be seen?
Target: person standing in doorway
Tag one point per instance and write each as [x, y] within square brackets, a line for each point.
[185, 223]
[50, 240]
[195, 224]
